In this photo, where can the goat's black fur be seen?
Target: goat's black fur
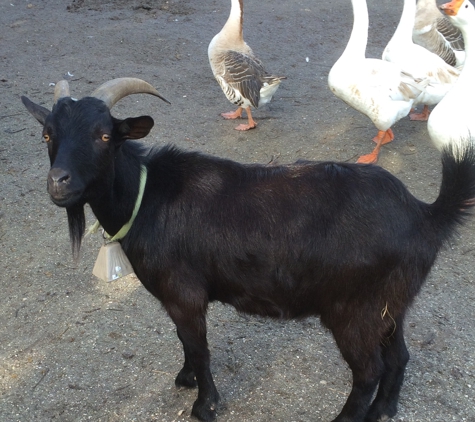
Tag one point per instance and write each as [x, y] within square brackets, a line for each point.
[347, 242]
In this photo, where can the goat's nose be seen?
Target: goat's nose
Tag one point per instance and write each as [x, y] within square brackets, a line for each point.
[58, 176]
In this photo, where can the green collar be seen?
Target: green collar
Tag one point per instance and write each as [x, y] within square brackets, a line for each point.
[126, 227]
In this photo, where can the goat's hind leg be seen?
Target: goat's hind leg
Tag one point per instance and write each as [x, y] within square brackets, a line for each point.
[361, 349]
[395, 357]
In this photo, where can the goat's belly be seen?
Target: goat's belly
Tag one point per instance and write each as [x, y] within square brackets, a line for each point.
[279, 307]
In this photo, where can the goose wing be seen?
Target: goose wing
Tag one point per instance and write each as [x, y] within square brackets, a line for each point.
[451, 33]
[245, 74]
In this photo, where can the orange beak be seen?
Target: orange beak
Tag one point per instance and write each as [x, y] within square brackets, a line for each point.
[451, 8]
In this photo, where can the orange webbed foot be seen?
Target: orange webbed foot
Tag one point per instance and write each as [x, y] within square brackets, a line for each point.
[422, 116]
[251, 123]
[242, 126]
[368, 158]
[231, 115]
[384, 137]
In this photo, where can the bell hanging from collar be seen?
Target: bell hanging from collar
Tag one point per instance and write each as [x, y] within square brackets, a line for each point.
[112, 263]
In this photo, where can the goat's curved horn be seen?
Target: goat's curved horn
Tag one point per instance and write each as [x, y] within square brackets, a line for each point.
[112, 91]
[61, 90]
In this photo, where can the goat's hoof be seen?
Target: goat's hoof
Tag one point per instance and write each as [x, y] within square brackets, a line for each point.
[204, 412]
[374, 416]
[186, 379]
[382, 418]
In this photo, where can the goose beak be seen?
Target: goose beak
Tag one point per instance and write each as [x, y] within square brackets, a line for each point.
[451, 8]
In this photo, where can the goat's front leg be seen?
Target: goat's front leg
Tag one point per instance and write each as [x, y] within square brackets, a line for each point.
[191, 329]
[186, 377]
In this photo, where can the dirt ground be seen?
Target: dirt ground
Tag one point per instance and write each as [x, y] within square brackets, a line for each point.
[73, 348]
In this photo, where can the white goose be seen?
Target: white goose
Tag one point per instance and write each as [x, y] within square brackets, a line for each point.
[434, 31]
[418, 62]
[453, 119]
[374, 87]
[238, 71]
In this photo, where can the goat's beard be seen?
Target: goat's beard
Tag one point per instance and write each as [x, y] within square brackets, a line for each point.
[77, 225]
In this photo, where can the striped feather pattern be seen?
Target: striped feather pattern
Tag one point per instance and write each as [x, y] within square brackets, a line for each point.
[243, 78]
[435, 32]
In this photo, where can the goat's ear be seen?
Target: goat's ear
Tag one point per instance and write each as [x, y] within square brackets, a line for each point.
[135, 127]
[39, 113]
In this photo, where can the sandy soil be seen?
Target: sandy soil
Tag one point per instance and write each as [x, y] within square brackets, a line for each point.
[74, 348]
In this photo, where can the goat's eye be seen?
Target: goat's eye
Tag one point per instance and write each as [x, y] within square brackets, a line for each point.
[46, 137]
[106, 138]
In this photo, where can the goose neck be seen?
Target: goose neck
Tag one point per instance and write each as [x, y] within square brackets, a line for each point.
[406, 23]
[233, 27]
[468, 32]
[356, 46]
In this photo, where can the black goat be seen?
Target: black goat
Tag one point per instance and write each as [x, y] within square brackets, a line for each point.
[344, 241]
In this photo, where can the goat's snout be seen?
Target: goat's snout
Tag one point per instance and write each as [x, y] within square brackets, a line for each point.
[58, 184]
[58, 176]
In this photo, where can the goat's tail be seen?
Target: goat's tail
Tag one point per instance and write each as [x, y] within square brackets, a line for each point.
[457, 191]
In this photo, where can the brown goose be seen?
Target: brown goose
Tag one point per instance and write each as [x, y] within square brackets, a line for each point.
[452, 120]
[238, 71]
[435, 32]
